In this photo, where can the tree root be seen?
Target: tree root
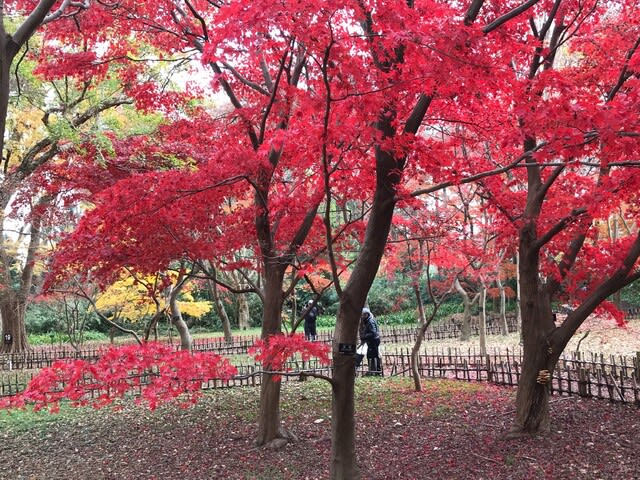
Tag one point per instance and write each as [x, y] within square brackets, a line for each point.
[516, 434]
[284, 437]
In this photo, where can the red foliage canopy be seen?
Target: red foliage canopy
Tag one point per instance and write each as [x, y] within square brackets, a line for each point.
[310, 82]
[153, 372]
[156, 371]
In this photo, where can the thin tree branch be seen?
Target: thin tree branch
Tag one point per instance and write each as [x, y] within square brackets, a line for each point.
[559, 227]
[272, 100]
[508, 16]
[301, 373]
[472, 12]
[478, 176]
[246, 81]
[624, 73]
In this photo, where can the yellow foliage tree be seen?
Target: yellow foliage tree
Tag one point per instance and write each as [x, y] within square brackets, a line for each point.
[129, 298]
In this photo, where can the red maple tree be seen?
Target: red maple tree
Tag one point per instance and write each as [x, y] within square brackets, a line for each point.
[340, 101]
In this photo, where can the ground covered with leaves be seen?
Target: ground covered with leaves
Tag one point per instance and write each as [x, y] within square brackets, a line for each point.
[450, 430]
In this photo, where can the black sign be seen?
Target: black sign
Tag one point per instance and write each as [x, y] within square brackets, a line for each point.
[8, 338]
[347, 348]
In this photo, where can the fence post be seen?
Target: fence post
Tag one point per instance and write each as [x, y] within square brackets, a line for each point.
[582, 382]
[488, 361]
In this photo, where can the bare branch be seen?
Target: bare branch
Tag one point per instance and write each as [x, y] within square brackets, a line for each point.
[64, 8]
[245, 81]
[272, 100]
[479, 176]
[559, 227]
[301, 374]
[625, 74]
[508, 16]
[268, 81]
[417, 114]
[472, 12]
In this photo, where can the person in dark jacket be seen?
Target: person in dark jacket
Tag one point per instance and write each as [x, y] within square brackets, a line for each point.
[370, 335]
[310, 316]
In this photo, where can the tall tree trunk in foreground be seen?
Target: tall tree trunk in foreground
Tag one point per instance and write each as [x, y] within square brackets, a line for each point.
[343, 458]
[388, 170]
[14, 333]
[270, 430]
[518, 310]
[543, 341]
[532, 400]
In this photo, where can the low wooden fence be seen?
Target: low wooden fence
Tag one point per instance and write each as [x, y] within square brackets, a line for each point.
[247, 375]
[40, 358]
[613, 378]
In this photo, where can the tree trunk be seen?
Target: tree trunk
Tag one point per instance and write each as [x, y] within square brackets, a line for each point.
[421, 317]
[14, 333]
[226, 323]
[543, 341]
[343, 441]
[269, 427]
[243, 312]
[482, 324]
[343, 444]
[152, 326]
[270, 430]
[220, 310]
[465, 327]
[388, 170]
[186, 340]
[532, 399]
[415, 351]
[504, 327]
[539, 357]
[8, 49]
[538, 363]
[518, 311]
[343, 459]
[13, 302]
[613, 235]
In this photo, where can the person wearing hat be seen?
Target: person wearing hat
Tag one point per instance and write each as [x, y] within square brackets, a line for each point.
[370, 335]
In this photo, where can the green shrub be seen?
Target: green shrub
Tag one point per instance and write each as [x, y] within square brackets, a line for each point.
[410, 316]
[449, 308]
[53, 338]
[406, 317]
[391, 295]
[326, 321]
[40, 318]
